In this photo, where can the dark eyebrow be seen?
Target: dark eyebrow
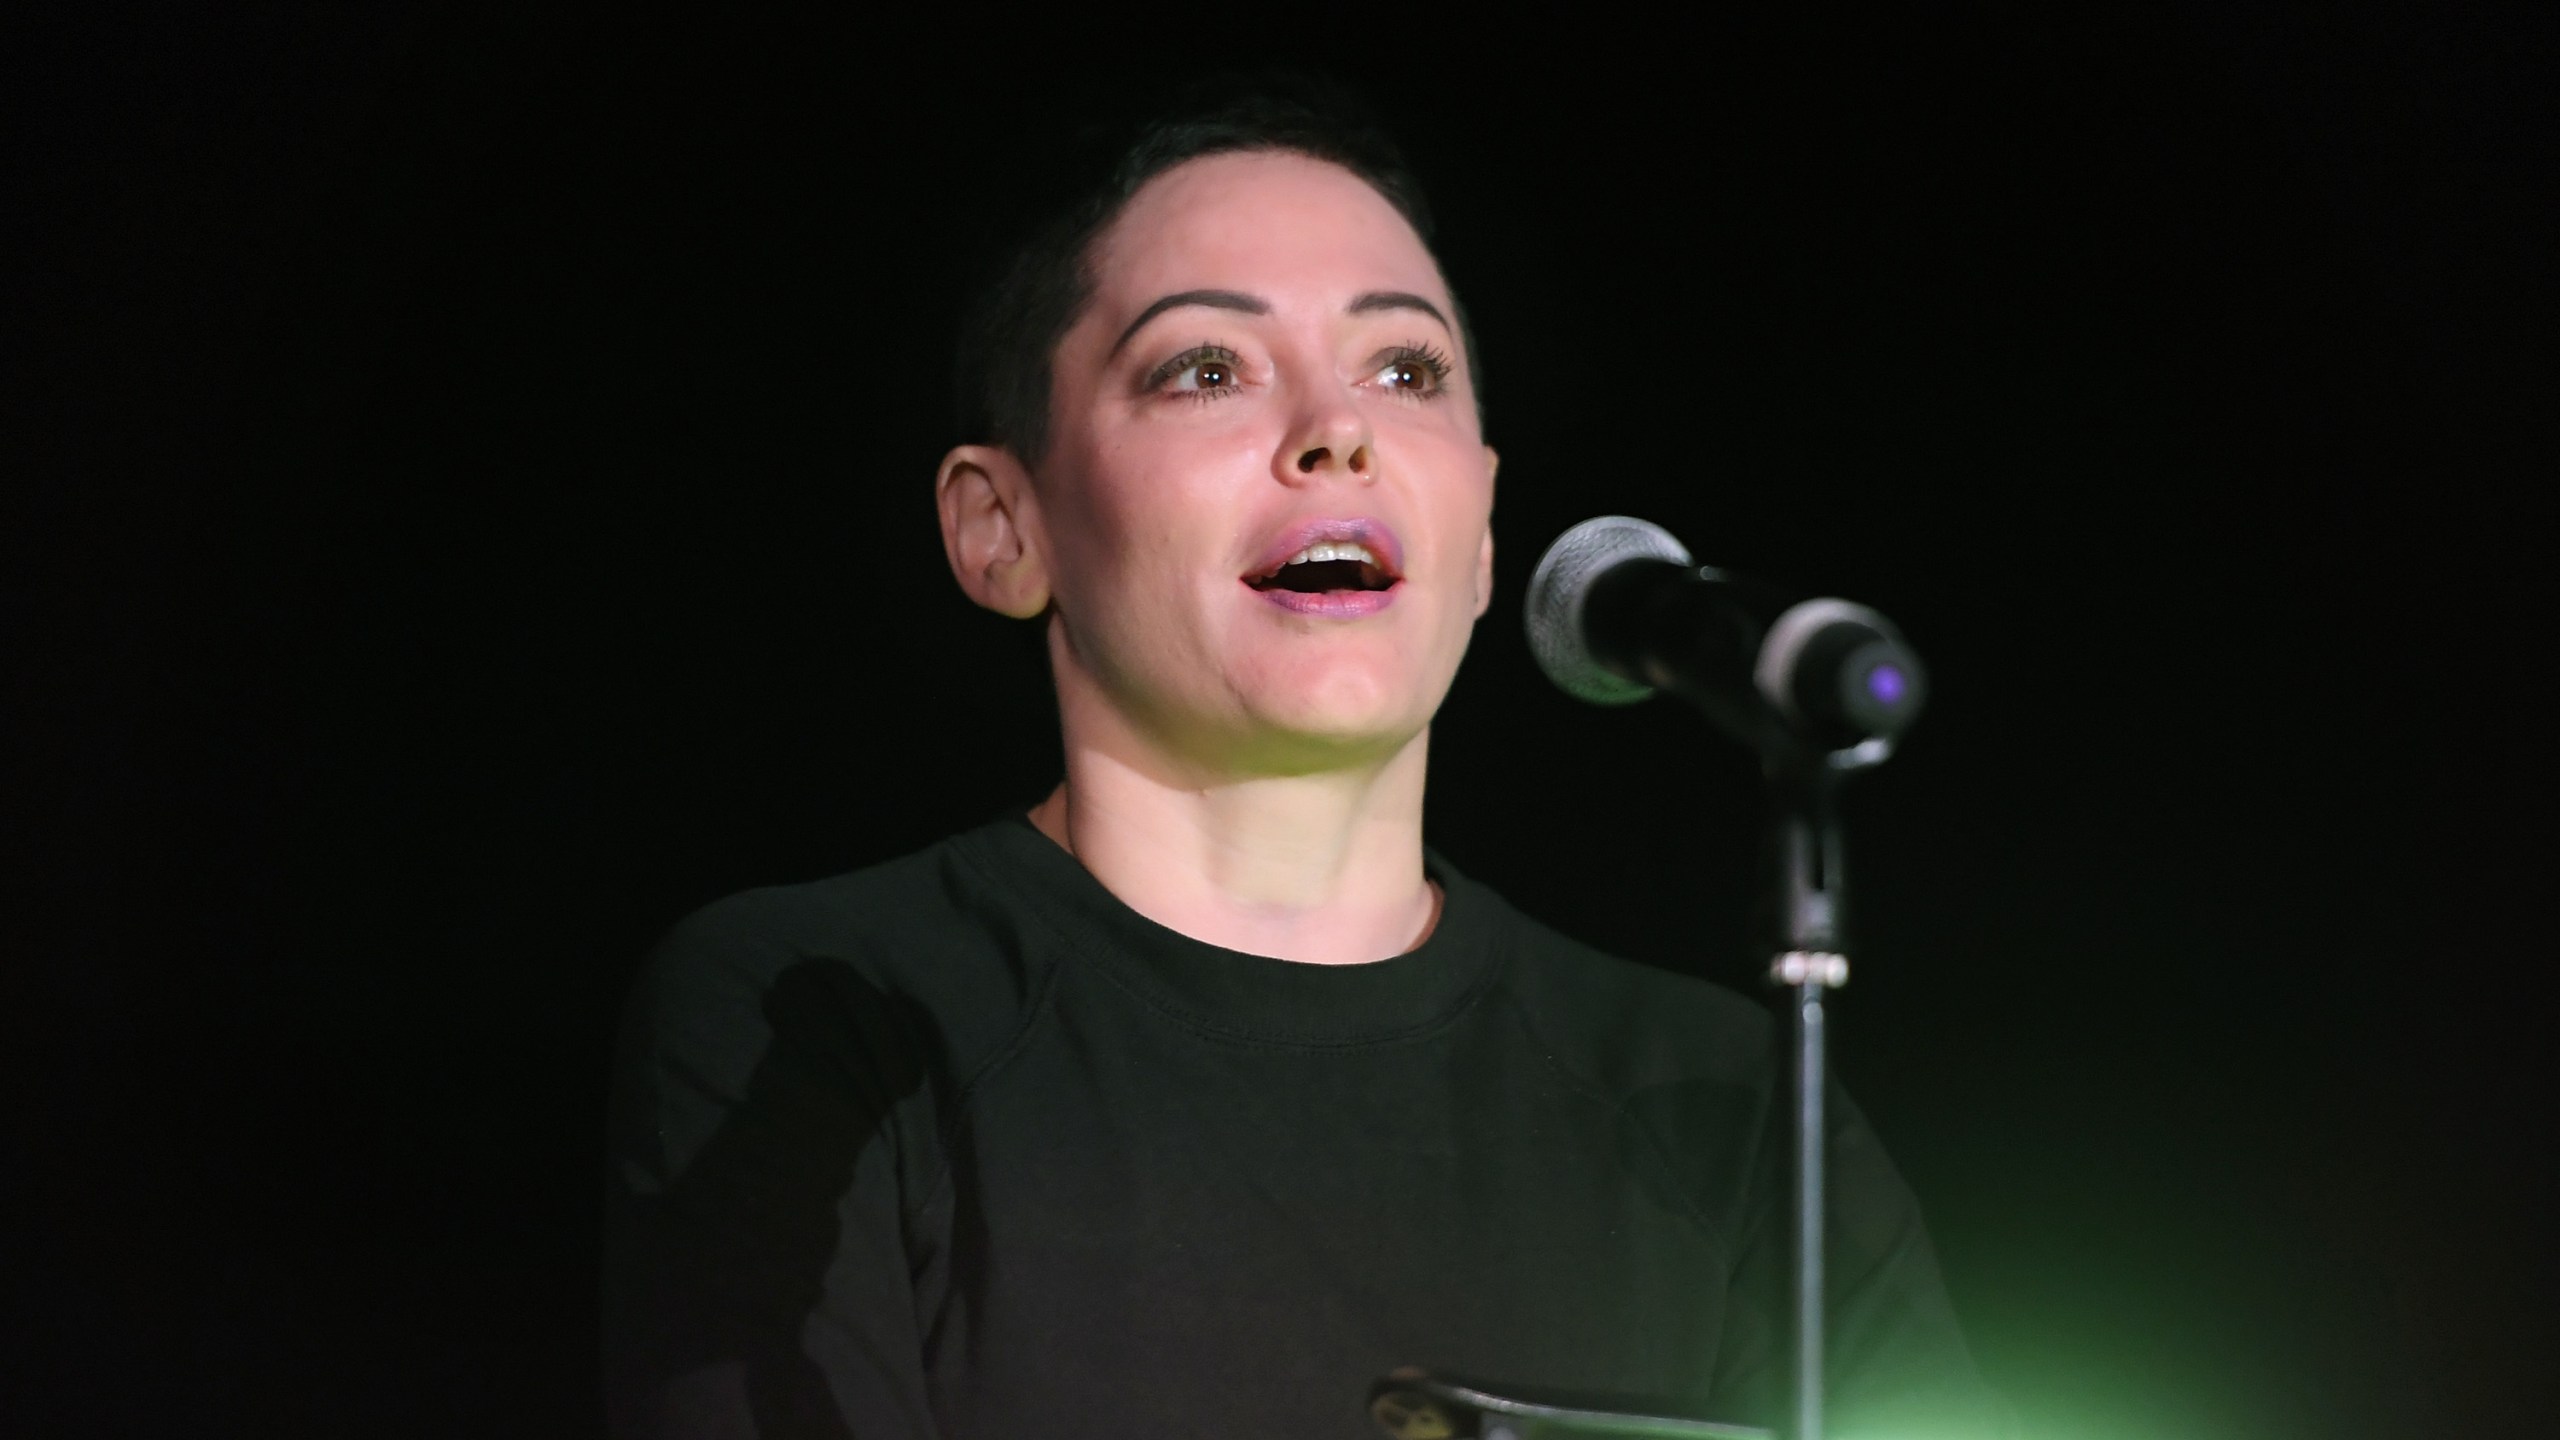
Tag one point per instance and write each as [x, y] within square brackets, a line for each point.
[1399, 300]
[1215, 299]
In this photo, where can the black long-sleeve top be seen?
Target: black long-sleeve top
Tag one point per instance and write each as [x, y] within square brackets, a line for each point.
[961, 1145]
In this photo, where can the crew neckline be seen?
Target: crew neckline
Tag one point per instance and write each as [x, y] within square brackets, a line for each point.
[1238, 995]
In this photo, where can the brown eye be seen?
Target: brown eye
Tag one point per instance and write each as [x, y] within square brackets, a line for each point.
[1197, 374]
[1414, 370]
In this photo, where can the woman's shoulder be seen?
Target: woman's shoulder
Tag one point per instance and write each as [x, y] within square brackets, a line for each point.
[926, 932]
[1629, 1023]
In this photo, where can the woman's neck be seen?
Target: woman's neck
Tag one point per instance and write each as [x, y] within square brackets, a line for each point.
[1323, 868]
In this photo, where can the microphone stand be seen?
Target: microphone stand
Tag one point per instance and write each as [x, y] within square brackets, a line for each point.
[1618, 610]
[1803, 786]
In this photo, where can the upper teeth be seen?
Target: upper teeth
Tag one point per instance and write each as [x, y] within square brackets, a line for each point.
[1334, 550]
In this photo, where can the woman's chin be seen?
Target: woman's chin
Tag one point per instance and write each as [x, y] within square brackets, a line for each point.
[1307, 738]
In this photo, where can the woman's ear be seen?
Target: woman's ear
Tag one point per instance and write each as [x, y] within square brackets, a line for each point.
[991, 530]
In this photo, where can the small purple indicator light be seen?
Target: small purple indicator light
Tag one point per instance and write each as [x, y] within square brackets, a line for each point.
[1886, 683]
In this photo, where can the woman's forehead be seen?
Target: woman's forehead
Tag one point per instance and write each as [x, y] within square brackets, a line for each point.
[1262, 222]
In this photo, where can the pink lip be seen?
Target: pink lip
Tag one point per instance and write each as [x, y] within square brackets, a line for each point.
[1334, 604]
[1381, 541]
[1340, 604]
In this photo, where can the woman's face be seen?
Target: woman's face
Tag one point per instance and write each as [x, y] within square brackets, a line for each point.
[1266, 373]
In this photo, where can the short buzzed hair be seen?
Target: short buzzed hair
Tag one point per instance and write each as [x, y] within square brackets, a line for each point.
[1011, 335]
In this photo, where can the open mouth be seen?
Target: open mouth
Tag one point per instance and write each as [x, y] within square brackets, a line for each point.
[1327, 567]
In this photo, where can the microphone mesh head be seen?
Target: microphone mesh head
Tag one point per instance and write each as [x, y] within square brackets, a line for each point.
[1562, 583]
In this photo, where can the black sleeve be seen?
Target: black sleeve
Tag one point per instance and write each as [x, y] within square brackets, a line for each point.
[756, 1280]
[1897, 1364]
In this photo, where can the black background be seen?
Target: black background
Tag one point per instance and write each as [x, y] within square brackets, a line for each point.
[470, 495]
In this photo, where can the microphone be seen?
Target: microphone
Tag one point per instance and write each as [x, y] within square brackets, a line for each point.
[1618, 610]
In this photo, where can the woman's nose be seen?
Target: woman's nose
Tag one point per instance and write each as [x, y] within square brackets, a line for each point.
[1335, 440]
[1357, 462]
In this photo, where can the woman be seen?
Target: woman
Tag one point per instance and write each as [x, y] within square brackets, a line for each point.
[1202, 1095]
